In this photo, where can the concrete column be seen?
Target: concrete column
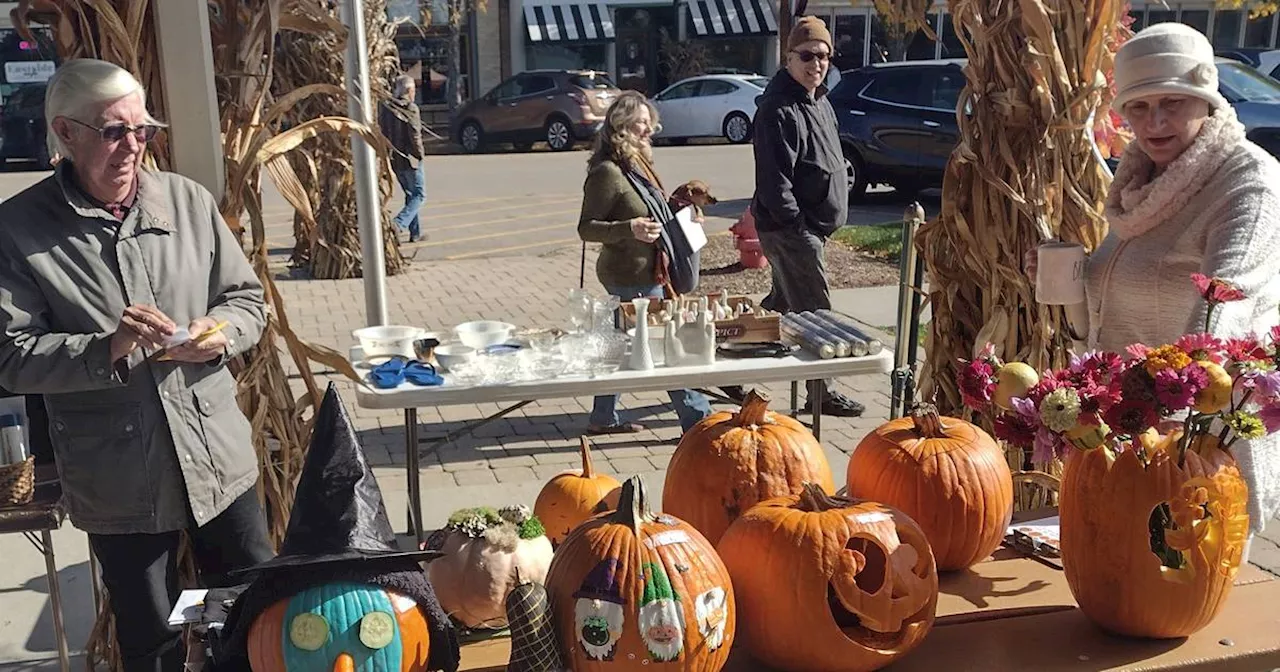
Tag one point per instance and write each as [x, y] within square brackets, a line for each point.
[519, 36]
[186, 65]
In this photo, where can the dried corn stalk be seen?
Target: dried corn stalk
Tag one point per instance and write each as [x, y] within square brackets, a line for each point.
[326, 235]
[1024, 172]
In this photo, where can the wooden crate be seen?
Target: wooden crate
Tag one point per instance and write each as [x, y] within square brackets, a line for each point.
[747, 328]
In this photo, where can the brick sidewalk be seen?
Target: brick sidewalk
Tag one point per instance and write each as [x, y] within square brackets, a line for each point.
[540, 439]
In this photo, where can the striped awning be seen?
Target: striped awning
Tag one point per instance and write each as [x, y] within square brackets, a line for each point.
[562, 22]
[729, 18]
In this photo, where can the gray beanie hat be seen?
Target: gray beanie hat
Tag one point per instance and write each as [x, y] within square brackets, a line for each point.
[1167, 58]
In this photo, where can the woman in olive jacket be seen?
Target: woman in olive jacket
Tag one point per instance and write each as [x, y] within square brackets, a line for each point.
[614, 214]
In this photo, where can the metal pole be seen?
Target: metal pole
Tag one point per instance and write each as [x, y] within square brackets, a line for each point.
[369, 213]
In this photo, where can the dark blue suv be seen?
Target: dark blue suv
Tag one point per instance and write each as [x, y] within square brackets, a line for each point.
[898, 122]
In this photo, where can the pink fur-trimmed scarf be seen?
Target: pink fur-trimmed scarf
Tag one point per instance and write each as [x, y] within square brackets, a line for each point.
[1136, 203]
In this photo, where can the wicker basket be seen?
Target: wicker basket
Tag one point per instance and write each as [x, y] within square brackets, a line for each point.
[18, 483]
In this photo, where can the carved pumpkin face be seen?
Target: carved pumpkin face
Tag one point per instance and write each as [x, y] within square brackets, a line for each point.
[948, 475]
[861, 585]
[1159, 559]
[341, 627]
[729, 462]
[630, 589]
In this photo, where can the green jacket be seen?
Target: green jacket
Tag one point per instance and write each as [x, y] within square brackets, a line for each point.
[137, 442]
[609, 203]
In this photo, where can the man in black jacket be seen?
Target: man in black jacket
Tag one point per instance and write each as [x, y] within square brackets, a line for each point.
[802, 184]
[402, 125]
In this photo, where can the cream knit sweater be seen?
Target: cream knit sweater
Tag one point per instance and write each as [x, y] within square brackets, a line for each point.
[1216, 211]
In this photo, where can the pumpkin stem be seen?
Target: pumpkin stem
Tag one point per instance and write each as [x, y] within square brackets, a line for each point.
[587, 472]
[813, 499]
[754, 411]
[927, 421]
[633, 507]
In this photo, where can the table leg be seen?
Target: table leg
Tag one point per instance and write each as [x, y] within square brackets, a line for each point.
[795, 397]
[95, 581]
[815, 400]
[55, 600]
[414, 474]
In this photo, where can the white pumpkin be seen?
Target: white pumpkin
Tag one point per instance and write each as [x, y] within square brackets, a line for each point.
[484, 559]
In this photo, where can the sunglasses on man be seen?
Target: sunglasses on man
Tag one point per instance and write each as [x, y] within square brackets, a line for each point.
[809, 56]
[117, 132]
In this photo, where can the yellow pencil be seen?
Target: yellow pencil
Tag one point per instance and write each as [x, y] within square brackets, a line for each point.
[197, 340]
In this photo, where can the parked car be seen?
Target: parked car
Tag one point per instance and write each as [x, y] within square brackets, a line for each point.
[709, 106]
[1266, 61]
[22, 126]
[559, 107]
[898, 120]
[1256, 99]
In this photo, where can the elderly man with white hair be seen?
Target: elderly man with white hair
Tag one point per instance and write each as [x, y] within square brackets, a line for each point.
[122, 296]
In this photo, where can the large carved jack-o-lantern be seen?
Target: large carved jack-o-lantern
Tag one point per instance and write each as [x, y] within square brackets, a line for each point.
[1151, 551]
[860, 584]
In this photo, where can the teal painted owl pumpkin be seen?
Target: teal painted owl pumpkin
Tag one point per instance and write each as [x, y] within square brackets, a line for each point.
[343, 627]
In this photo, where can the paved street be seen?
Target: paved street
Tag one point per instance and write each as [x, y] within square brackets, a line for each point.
[502, 245]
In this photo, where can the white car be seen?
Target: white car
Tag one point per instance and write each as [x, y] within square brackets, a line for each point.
[1269, 63]
[709, 106]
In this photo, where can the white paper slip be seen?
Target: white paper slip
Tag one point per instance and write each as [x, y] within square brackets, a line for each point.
[190, 607]
[692, 230]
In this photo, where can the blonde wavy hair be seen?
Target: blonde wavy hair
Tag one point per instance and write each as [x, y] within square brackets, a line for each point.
[615, 141]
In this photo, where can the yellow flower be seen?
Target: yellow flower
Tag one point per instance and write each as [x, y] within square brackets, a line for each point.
[1166, 357]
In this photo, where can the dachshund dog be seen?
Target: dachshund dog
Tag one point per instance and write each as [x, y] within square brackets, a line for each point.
[695, 194]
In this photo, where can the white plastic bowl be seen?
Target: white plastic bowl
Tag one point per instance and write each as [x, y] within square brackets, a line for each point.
[451, 354]
[484, 333]
[387, 341]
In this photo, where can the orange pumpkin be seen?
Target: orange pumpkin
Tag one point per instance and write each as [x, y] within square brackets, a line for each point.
[829, 584]
[332, 626]
[573, 496]
[731, 461]
[951, 477]
[630, 589]
[1116, 514]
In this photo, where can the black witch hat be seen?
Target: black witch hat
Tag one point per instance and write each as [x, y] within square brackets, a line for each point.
[338, 532]
[338, 514]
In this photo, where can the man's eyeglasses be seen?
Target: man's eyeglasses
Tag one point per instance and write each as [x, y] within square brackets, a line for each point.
[117, 132]
[809, 56]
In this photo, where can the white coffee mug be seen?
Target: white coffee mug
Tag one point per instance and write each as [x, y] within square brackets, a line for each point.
[1060, 274]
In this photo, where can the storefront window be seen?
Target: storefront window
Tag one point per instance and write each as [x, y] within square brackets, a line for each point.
[1257, 32]
[540, 56]
[741, 54]
[922, 47]
[427, 57]
[951, 46]
[851, 41]
[1155, 16]
[1197, 18]
[1226, 28]
[25, 63]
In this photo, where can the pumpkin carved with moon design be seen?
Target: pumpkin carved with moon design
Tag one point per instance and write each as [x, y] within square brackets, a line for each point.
[631, 589]
[860, 588]
[1159, 559]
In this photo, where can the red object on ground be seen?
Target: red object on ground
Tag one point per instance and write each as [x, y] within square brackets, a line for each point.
[750, 254]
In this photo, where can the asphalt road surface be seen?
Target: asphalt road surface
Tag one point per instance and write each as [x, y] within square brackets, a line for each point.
[527, 203]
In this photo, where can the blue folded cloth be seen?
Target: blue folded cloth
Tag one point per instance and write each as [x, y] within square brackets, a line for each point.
[397, 370]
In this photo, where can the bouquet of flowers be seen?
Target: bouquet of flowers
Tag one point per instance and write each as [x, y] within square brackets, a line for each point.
[1198, 392]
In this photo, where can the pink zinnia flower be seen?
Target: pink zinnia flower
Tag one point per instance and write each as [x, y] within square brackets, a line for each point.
[1216, 290]
[977, 383]
[1275, 334]
[1265, 384]
[1137, 351]
[1246, 349]
[1132, 417]
[1172, 391]
[1270, 417]
[1201, 347]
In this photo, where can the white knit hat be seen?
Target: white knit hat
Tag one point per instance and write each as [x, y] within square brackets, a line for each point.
[1171, 58]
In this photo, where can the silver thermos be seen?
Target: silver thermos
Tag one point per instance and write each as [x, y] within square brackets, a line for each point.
[13, 440]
